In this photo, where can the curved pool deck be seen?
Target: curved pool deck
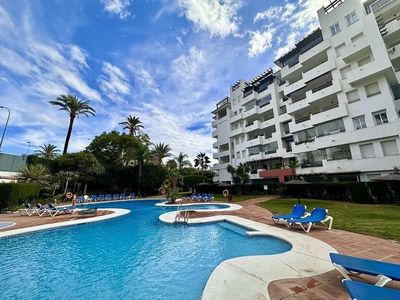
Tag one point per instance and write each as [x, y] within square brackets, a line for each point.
[117, 212]
[232, 278]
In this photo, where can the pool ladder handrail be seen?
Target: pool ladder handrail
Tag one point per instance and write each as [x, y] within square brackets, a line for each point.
[178, 214]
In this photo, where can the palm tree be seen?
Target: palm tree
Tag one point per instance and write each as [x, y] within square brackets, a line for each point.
[74, 107]
[48, 151]
[37, 173]
[160, 151]
[141, 154]
[293, 164]
[201, 161]
[240, 175]
[182, 161]
[132, 123]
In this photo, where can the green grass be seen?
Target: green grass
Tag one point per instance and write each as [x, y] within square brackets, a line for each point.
[380, 220]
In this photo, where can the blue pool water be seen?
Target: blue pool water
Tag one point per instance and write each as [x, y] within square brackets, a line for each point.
[131, 257]
[205, 206]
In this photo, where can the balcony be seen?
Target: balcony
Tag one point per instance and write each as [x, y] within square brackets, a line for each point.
[236, 132]
[323, 91]
[356, 50]
[250, 112]
[236, 118]
[310, 54]
[332, 114]
[215, 123]
[295, 86]
[250, 127]
[215, 134]
[367, 72]
[287, 72]
[293, 107]
[393, 32]
[319, 70]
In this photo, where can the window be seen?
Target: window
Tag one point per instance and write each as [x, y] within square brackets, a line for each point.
[238, 154]
[372, 89]
[236, 126]
[338, 49]
[335, 28]
[344, 71]
[244, 153]
[352, 96]
[240, 110]
[234, 101]
[242, 139]
[239, 97]
[367, 151]
[364, 61]
[237, 141]
[389, 148]
[351, 18]
[235, 113]
[359, 122]
[380, 118]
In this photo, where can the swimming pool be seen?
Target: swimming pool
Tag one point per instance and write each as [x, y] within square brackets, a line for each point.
[132, 257]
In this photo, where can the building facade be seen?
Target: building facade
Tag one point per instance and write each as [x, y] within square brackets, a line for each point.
[333, 104]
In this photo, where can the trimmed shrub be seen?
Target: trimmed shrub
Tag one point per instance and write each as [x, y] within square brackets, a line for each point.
[14, 194]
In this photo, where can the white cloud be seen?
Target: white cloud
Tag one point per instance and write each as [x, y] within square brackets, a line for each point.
[118, 7]
[260, 41]
[271, 13]
[114, 83]
[291, 39]
[218, 17]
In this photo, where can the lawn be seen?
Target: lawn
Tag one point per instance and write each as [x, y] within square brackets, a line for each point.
[380, 220]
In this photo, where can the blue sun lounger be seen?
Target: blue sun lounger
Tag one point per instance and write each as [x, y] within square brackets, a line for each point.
[364, 291]
[318, 215]
[299, 210]
[350, 264]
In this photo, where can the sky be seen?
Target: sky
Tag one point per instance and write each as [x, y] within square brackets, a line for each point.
[167, 62]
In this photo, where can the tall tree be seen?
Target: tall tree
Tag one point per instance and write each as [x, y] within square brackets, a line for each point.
[74, 107]
[133, 124]
[160, 151]
[182, 161]
[202, 161]
[293, 164]
[48, 151]
[240, 175]
[141, 154]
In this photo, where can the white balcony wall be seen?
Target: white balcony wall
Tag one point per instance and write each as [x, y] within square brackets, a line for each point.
[258, 156]
[365, 73]
[236, 132]
[356, 50]
[293, 127]
[330, 90]
[293, 107]
[294, 87]
[256, 125]
[332, 114]
[319, 70]
[215, 123]
[250, 112]
[286, 71]
[249, 98]
[393, 32]
[215, 134]
[236, 118]
[307, 56]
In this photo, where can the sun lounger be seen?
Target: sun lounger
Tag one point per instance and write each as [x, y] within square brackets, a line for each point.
[355, 265]
[41, 210]
[364, 291]
[299, 211]
[28, 210]
[318, 215]
[55, 210]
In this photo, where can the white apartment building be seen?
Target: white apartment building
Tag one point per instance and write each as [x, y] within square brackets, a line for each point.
[334, 103]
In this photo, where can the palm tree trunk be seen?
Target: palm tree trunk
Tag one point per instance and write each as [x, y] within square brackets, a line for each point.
[139, 178]
[66, 186]
[71, 124]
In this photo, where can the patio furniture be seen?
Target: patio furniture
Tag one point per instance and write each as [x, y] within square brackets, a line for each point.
[318, 215]
[299, 210]
[354, 265]
[364, 291]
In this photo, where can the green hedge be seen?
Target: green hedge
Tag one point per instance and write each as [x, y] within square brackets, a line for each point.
[14, 194]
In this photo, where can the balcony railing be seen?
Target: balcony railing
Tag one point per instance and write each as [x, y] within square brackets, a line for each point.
[321, 87]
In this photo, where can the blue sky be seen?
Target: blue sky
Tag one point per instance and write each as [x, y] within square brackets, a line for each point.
[165, 61]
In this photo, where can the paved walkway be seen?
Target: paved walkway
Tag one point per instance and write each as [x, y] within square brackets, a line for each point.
[326, 286]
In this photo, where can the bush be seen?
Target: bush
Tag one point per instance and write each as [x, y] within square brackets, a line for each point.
[14, 194]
